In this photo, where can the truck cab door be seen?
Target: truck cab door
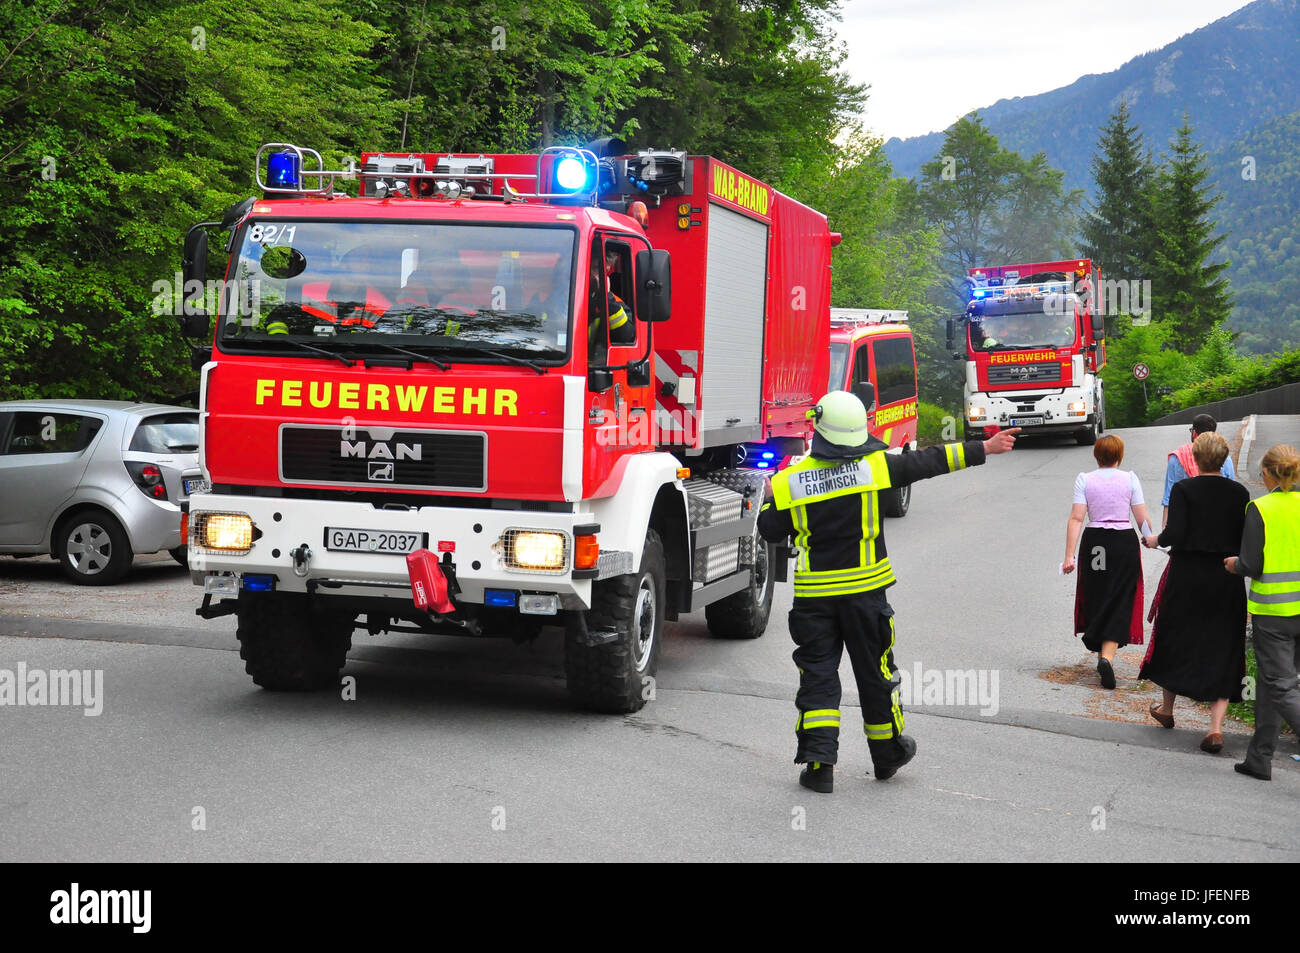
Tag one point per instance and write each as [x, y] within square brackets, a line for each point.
[619, 400]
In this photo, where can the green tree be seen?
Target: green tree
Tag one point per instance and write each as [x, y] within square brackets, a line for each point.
[993, 206]
[1116, 231]
[1187, 289]
[125, 124]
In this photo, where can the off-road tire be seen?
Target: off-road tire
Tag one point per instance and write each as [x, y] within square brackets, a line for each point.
[1088, 436]
[100, 531]
[616, 676]
[896, 500]
[744, 614]
[288, 648]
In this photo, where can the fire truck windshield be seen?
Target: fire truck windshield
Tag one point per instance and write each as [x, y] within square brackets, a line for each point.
[438, 287]
[1013, 331]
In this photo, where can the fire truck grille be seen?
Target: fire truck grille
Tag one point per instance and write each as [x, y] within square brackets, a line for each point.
[420, 459]
[1039, 373]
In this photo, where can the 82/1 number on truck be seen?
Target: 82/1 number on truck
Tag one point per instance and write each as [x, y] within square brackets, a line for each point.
[343, 539]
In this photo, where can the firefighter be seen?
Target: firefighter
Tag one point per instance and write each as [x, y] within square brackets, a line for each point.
[621, 329]
[830, 504]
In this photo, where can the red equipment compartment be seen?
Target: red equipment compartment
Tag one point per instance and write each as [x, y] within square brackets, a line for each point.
[749, 332]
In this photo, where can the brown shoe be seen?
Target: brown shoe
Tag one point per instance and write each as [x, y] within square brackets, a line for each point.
[1166, 721]
[1212, 743]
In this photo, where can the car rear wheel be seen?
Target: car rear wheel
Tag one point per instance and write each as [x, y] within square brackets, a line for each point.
[181, 555]
[92, 548]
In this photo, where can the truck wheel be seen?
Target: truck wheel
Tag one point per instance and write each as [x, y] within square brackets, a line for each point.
[610, 665]
[896, 500]
[1088, 436]
[92, 548]
[743, 614]
[286, 647]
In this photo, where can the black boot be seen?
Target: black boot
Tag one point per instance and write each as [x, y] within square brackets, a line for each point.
[1106, 673]
[889, 756]
[818, 777]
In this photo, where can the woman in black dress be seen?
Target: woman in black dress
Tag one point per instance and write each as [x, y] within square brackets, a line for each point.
[1198, 641]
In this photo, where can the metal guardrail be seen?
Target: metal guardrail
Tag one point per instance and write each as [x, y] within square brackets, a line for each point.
[1277, 400]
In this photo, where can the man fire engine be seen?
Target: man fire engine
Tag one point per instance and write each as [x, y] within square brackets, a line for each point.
[454, 403]
[1034, 349]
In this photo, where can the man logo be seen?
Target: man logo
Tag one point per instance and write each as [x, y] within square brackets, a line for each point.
[1023, 372]
[379, 471]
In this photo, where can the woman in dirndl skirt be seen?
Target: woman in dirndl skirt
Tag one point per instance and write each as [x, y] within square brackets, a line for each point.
[1108, 596]
[1198, 642]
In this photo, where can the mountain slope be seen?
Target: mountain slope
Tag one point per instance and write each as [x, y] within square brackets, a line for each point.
[1230, 76]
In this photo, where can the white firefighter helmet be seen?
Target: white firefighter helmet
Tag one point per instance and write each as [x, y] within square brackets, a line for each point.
[841, 418]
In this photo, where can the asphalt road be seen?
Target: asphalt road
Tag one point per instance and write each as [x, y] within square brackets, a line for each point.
[463, 749]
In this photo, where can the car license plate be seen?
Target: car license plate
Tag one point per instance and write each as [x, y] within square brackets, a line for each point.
[192, 485]
[1026, 421]
[346, 540]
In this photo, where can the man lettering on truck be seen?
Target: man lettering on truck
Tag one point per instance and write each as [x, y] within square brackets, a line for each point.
[830, 504]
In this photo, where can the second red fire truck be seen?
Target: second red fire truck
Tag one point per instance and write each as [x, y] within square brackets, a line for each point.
[492, 392]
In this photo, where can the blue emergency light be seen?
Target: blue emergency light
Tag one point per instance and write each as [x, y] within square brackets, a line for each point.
[571, 174]
[500, 598]
[259, 583]
[283, 171]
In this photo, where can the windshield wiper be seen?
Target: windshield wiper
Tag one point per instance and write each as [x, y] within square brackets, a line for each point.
[401, 350]
[307, 347]
[493, 352]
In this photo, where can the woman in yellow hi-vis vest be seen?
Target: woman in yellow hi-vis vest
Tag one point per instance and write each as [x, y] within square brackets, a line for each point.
[830, 504]
[1270, 556]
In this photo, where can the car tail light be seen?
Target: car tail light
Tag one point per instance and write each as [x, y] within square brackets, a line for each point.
[149, 479]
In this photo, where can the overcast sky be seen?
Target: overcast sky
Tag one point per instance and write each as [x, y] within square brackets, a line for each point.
[931, 61]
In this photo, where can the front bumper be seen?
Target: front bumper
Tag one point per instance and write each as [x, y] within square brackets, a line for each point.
[1052, 411]
[285, 525]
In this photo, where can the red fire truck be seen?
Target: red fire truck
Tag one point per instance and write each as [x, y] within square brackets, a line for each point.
[455, 403]
[870, 345]
[1034, 349]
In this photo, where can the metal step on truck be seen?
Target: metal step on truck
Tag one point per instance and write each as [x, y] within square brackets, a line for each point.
[481, 394]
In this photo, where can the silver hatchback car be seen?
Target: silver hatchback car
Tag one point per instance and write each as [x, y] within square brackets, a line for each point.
[92, 482]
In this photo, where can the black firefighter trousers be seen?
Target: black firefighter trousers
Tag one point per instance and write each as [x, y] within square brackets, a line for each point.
[822, 627]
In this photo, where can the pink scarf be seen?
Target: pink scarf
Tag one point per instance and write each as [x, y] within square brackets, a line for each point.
[1184, 455]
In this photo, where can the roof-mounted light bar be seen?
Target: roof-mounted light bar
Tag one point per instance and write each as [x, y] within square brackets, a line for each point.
[287, 166]
[861, 317]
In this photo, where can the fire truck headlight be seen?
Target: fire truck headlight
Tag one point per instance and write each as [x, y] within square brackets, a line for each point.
[535, 550]
[1078, 408]
[222, 532]
[975, 413]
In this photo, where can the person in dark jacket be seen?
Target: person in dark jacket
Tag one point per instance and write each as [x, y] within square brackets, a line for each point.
[829, 503]
[1198, 641]
[1270, 556]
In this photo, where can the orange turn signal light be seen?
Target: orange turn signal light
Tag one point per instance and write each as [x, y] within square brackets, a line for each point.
[683, 473]
[185, 529]
[640, 214]
[586, 552]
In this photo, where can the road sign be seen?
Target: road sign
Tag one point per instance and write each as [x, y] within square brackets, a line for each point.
[1141, 371]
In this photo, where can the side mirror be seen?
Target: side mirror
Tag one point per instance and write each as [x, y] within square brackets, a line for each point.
[638, 374]
[1099, 327]
[235, 214]
[866, 392]
[195, 324]
[599, 380]
[200, 356]
[655, 285]
[194, 260]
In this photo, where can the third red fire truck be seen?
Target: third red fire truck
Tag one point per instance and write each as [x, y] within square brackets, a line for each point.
[1034, 348]
[492, 392]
